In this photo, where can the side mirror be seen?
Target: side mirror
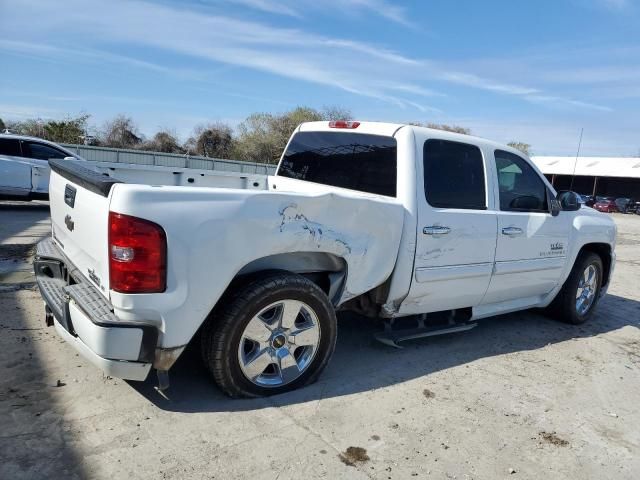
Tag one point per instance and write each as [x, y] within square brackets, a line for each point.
[569, 201]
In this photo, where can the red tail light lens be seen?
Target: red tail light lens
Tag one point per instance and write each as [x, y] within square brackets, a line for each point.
[343, 124]
[137, 255]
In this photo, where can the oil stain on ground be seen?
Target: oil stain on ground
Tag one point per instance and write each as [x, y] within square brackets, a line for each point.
[428, 393]
[353, 456]
[553, 439]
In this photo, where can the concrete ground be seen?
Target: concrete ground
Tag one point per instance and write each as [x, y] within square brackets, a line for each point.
[520, 396]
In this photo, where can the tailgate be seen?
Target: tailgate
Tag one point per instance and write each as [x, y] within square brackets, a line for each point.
[79, 200]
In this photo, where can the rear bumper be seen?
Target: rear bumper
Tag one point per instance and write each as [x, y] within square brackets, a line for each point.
[84, 318]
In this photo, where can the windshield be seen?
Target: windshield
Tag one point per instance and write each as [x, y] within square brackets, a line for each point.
[362, 162]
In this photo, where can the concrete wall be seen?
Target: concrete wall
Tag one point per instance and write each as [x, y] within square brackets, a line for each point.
[117, 155]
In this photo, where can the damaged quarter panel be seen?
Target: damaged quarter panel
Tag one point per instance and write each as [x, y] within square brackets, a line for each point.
[213, 233]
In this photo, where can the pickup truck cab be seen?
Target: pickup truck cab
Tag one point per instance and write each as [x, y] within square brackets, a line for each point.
[24, 166]
[387, 220]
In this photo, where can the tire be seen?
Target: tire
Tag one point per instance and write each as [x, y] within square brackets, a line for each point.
[567, 306]
[252, 328]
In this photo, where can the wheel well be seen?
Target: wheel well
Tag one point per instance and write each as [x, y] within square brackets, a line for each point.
[327, 271]
[603, 250]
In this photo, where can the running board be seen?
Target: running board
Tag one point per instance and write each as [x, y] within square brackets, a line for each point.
[391, 338]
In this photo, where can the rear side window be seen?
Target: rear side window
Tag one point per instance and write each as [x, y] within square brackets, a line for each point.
[356, 161]
[454, 175]
[10, 146]
[521, 188]
[41, 151]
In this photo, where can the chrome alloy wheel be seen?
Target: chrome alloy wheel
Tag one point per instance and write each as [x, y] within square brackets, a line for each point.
[279, 343]
[586, 292]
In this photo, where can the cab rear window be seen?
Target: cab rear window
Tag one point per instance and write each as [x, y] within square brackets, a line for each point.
[362, 162]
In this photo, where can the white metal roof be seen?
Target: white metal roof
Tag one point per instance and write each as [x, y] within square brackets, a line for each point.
[627, 167]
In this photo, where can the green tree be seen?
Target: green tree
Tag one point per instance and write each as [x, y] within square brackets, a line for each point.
[523, 147]
[69, 130]
[257, 141]
[2, 126]
[262, 137]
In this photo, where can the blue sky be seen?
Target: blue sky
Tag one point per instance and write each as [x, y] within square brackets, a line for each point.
[534, 71]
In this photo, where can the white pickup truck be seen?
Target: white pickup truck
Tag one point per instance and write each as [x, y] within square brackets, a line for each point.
[24, 166]
[386, 220]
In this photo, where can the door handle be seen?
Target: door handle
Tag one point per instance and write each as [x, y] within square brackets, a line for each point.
[436, 230]
[512, 231]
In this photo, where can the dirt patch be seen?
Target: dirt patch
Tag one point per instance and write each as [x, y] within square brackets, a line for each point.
[375, 437]
[353, 456]
[553, 439]
[428, 393]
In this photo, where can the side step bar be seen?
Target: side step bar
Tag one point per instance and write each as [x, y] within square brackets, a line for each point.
[391, 337]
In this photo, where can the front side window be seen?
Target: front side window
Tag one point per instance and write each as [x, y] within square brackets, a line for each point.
[521, 188]
[357, 161]
[41, 151]
[454, 175]
[10, 146]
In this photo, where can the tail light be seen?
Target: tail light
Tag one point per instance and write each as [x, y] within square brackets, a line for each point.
[137, 255]
[343, 124]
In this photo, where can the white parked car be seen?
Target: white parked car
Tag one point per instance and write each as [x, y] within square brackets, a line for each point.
[386, 220]
[24, 166]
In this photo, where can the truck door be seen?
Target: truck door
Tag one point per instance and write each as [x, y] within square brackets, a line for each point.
[456, 237]
[40, 154]
[15, 171]
[532, 243]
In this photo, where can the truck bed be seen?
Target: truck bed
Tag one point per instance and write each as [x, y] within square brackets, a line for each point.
[215, 233]
[186, 177]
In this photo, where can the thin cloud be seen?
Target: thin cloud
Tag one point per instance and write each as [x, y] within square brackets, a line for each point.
[356, 67]
[471, 80]
[298, 8]
[26, 111]
[279, 8]
[381, 53]
[416, 90]
[423, 108]
[382, 8]
[559, 101]
[90, 56]
[599, 74]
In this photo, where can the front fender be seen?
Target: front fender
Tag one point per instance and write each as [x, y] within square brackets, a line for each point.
[589, 230]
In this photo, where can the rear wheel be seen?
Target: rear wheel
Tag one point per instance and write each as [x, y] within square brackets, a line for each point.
[579, 295]
[272, 335]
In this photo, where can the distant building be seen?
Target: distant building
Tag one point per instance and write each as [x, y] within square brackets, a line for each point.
[612, 176]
